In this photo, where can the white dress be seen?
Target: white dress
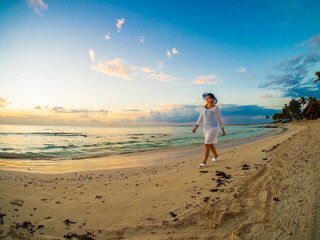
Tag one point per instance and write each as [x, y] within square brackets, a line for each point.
[210, 119]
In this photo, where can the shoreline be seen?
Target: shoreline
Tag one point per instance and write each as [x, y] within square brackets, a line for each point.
[121, 161]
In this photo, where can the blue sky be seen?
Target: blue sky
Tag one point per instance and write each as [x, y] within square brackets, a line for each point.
[127, 62]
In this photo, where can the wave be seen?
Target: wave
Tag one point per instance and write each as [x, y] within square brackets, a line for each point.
[47, 134]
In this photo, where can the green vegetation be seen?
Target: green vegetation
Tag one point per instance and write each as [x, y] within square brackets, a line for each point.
[318, 75]
[293, 110]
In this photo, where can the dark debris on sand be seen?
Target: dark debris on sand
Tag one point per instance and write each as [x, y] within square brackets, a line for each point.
[87, 236]
[25, 225]
[1, 218]
[223, 175]
[245, 166]
[173, 214]
[273, 147]
[68, 222]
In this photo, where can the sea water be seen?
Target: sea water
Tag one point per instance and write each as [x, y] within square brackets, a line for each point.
[77, 142]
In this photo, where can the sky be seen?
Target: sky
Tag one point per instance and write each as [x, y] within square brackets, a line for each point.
[141, 63]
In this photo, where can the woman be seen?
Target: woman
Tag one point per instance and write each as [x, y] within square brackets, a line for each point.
[210, 117]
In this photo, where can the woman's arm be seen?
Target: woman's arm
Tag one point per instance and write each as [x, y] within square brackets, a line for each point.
[219, 118]
[200, 121]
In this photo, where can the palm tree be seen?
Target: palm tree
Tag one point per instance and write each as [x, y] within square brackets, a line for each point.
[277, 117]
[285, 112]
[313, 100]
[318, 75]
[303, 101]
[293, 108]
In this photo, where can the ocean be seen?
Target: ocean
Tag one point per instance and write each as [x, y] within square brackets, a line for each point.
[31, 142]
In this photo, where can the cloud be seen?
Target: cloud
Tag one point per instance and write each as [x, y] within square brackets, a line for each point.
[91, 54]
[131, 110]
[205, 79]
[174, 51]
[160, 64]
[141, 38]
[294, 77]
[107, 36]
[3, 103]
[183, 113]
[313, 42]
[38, 108]
[162, 77]
[146, 69]
[241, 69]
[82, 110]
[119, 23]
[249, 75]
[168, 53]
[266, 96]
[38, 6]
[231, 114]
[115, 67]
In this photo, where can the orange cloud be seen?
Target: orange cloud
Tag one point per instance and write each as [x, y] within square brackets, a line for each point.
[115, 67]
[119, 23]
[205, 79]
[3, 103]
[91, 54]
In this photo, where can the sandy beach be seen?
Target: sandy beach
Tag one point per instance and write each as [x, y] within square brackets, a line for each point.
[263, 189]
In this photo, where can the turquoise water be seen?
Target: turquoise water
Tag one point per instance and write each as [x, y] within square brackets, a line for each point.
[74, 142]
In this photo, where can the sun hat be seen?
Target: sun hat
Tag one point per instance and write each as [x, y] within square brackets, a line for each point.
[211, 95]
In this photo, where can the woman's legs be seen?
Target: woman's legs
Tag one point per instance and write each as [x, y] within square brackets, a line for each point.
[213, 149]
[206, 153]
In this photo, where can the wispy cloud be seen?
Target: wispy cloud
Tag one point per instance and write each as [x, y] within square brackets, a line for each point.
[141, 38]
[38, 6]
[160, 64]
[82, 110]
[168, 53]
[241, 69]
[119, 23]
[160, 76]
[146, 70]
[266, 96]
[116, 67]
[91, 54]
[107, 36]
[206, 79]
[313, 42]
[3, 103]
[131, 110]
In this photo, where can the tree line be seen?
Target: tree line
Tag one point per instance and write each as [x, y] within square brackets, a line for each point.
[292, 110]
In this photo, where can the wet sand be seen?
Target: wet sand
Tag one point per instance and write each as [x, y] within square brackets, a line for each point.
[266, 189]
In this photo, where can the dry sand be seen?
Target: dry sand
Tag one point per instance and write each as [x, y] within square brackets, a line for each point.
[265, 189]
